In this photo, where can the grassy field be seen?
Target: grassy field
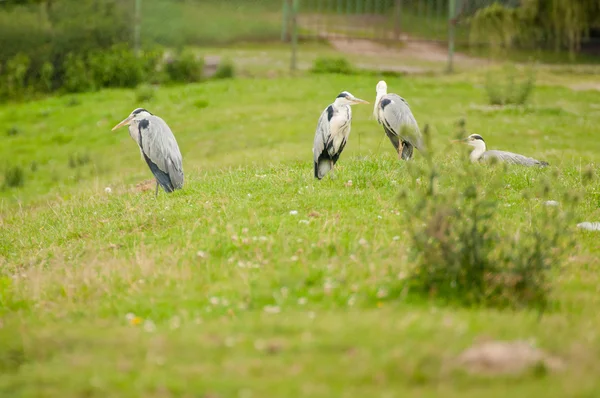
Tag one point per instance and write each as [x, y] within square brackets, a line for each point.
[257, 280]
[177, 23]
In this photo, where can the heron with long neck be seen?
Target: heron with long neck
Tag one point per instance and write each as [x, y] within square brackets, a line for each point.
[158, 147]
[399, 124]
[333, 130]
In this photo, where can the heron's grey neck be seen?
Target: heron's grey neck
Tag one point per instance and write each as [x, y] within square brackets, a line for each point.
[479, 149]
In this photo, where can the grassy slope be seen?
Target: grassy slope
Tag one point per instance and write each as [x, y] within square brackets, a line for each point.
[214, 22]
[76, 260]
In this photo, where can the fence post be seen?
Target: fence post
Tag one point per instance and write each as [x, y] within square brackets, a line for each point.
[451, 22]
[397, 19]
[137, 26]
[293, 7]
[285, 19]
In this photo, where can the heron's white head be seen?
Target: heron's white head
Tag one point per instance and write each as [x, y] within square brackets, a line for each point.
[345, 98]
[381, 88]
[135, 116]
[476, 141]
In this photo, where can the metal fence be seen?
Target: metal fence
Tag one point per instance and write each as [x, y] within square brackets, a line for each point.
[384, 20]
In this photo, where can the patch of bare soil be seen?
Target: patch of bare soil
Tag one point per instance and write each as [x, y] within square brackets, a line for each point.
[588, 86]
[146, 185]
[415, 49]
[506, 357]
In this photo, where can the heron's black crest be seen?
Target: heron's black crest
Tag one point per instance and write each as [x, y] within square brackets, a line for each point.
[343, 95]
[329, 113]
[477, 137]
[144, 123]
[139, 110]
[385, 103]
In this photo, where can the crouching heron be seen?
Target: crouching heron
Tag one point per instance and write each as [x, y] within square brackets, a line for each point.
[332, 133]
[479, 153]
[399, 124]
[158, 148]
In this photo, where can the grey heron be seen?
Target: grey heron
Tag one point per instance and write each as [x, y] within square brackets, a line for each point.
[479, 153]
[158, 148]
[332, 132]
[399, 124]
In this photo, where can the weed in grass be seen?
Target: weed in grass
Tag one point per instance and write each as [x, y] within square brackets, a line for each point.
[201, 103]
[14, 176]
[14, 130]
[145, 93]
[78, 160]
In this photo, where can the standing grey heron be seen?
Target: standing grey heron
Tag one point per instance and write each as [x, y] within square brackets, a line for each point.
[479, 153]
[332, 133]
[399, 124]
[158, 148]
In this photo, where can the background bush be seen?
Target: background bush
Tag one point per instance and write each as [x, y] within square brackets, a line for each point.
[338, 65]
[185, 66]
[509, 85]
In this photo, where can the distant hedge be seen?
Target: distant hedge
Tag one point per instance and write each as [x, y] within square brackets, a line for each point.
[77, 46]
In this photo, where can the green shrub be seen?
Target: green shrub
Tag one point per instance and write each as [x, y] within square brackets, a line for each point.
[46, 77]
[117, 67]
[13, 177]
[77, 77]
[510, 86]
[462, 254]
[15, 75]
[185, 67]
[225, 70]
[338, 65]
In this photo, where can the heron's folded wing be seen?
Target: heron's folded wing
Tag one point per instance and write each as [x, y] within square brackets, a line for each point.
[160, 146]
[322, 135]
[509, 157]
[399, 117]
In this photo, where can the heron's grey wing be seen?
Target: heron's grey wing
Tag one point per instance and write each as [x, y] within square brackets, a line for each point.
[162, 152]
[322, 137]
[400, 120]
[513, 158]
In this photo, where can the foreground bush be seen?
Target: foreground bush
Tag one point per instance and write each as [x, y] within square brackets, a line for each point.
[463, 253]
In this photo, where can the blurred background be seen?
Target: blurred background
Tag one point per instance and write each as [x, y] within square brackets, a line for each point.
[46, 45]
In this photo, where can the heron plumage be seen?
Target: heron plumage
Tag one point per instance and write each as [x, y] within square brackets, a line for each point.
[398, 121]
[158, 148]
[480, 154]
[333, 130]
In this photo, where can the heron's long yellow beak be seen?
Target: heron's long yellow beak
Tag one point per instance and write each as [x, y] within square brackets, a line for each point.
[462, 141]
[123, 123]
[359, 101]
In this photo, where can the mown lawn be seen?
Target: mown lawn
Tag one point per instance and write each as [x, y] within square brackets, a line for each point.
[257, 280]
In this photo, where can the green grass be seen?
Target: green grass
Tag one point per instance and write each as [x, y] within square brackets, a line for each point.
[173, 23]
[234, 295]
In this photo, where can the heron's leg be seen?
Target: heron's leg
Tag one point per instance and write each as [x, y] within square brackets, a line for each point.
[156, 192]
[331, 174]
[400, 150]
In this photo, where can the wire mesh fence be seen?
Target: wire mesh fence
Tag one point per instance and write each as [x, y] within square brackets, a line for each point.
[388, 20]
